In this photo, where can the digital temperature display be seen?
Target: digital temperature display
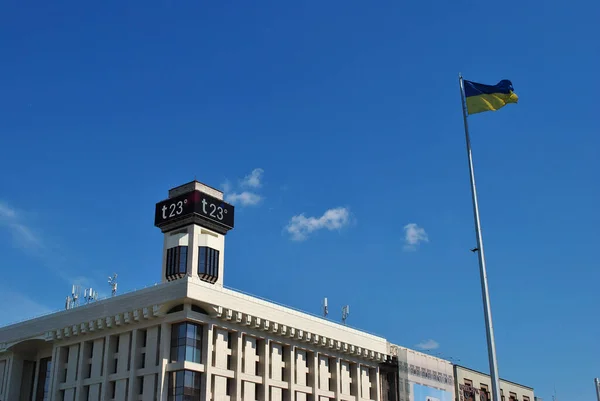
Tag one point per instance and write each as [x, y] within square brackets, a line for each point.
[196, 202]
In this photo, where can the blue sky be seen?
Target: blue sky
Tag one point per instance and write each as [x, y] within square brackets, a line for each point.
[348, 107]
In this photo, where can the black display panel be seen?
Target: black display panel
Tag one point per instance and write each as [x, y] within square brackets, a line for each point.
[196, 202]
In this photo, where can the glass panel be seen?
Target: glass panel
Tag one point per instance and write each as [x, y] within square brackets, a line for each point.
[191, 330]
[181, 330]
[183, 259]
[189, 379]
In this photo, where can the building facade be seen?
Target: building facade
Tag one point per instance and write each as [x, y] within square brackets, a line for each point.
[423, 377]
[189, 338]
[472, 385]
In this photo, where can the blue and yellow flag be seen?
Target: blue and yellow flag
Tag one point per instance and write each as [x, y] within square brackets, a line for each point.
[482, 97]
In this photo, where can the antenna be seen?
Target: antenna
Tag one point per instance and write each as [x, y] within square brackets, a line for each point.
[325, 309]
[76, 290]
[72, 301]
[89, 295]
[112, 281]
[597, 385]
[345, 313]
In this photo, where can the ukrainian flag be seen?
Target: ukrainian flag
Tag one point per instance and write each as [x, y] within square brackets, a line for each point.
[482, 97]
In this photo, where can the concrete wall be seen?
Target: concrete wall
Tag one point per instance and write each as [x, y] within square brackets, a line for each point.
[469, 385]
[127, 358]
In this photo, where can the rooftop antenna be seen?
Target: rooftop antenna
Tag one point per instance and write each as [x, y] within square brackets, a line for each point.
[325, 309]
[345, 313]
[112, 281]
[73, 300]
[90, 295]
[597, 385]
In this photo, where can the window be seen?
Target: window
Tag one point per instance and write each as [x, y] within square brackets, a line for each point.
[176, 308]
[469, 391]
[197, 309]
[176, 262]
[208, 264]
[186, 342]
[44, 380]
[484, 394]
[184, 385]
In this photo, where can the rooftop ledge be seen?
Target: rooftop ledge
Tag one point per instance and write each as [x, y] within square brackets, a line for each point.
[197, 282]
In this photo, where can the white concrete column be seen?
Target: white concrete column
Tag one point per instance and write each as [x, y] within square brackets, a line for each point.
[238, 362]
[53, 391]
[208, 358]
[336, 377]
[3, 377]
[133, 357]
[13, 384]
[265, 356]
[377, 384]
[314, 367]
[80, 362]
[356, 382]
[163, 359]
[192, 262]
[291, 369]
[106, 368]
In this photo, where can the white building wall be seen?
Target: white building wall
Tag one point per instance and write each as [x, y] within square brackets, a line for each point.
[119, 349]
[471, 383]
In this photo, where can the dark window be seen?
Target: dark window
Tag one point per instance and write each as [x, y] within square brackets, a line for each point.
[184, 385]
[186, 342]
[208, 264]
[469, 391]
[176, 308]
[44, 380]
[484, 395]
[196, 308]
[176, 262]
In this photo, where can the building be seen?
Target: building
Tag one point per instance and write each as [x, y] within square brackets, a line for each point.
[472, 385]
[190, 338]
[423, 377]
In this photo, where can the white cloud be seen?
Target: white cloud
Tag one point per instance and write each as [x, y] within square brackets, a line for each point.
[301, 226]
[413, 236]
[7, 212]
[253, 179]
[22, 234]
[243, 198]
[428, 345]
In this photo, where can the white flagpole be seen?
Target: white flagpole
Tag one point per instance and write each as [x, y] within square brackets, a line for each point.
[489, 328]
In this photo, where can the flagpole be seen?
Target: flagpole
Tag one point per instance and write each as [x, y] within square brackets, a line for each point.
[489, 329]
